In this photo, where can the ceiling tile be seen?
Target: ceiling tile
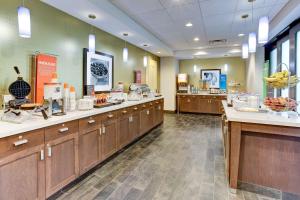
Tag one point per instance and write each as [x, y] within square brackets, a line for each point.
[172, 3]
[138, 6]
[217, 7]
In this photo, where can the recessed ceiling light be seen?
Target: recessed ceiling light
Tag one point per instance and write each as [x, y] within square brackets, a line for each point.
[125, 34]
[158, 52]
[200, 53]
[241, 35]
[196, 39]
[235, 51]
[236, 45]
[92, 16]
[189, 24]
[145, 45]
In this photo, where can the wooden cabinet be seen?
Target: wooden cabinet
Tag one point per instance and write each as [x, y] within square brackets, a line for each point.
[89, 143]
[124, 132]
[22, 169]
[146, 119]
[210, 104]
[61, 156]
[37, 164]
[158, 113]
[109, 128]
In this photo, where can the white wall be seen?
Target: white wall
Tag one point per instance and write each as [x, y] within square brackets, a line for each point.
[169, 68]
[254, 71]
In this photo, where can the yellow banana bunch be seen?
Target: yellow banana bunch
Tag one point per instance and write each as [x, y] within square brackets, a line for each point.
[281, 80]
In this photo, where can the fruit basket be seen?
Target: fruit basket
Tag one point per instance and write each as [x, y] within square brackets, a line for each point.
[281, 104]
[281, 80]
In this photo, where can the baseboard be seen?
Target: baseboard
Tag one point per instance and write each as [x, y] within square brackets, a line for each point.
[170, 111]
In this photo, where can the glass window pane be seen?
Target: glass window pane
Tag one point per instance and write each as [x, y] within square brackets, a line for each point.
[298, 65]
[273, 60]
[285, 58]
[273, 64]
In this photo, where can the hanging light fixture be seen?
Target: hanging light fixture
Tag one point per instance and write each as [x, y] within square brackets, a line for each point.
[92, 37]
[226, 67]
[125, 50]
[252, 36]
[24, 21]
[195, 68]
[263, 30]
[245, 53]
[252, 42]
[145, 61]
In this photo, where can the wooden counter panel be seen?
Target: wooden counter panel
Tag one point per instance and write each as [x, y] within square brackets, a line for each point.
[270, 160]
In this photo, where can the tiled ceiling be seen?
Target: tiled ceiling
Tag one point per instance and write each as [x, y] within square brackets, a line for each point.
[211, 19]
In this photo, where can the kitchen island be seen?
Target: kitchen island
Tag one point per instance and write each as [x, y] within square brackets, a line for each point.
[39, 157]
[202, 102]
[261, 149]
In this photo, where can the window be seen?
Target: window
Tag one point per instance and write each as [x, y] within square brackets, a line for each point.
[285, 59]
[273, 65]
[298, 65]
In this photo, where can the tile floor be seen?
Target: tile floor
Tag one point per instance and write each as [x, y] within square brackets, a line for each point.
[180, 160]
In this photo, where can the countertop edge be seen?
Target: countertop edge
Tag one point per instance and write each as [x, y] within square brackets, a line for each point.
[71, 116]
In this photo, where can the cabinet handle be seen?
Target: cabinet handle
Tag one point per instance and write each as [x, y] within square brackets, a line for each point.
[100, 131]
[49, 150]
[110, 116]
[135, 108]
[159, 107]
[188, 100]
[124, 111]
[144, 106]
[91, 121]
[151, 104]
[20, 142]
[148, 112]
[103, 129]
[157, 102]
[63, 129]
[42, 155]
[130, 119]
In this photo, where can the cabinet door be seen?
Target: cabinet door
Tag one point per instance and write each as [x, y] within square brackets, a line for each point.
[146, 119]
[109, 138]
[134, 126]
[61, 163]
[123, 133]
[204, 106]
[158, 114]
[22, 175]
[88, 150]
[184, 104]
[215, 106]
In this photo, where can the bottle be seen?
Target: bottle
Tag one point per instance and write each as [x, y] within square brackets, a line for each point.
[72, 99]
[66, 97]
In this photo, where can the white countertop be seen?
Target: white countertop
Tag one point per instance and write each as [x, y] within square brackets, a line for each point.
[202, 93]
[259, 118]
[9, 129]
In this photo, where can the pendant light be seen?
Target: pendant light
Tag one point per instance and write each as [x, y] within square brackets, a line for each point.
[125, 50]
[252, 36]
[263, 30]
[245, 53]
[92, 37]
[195, 68]
[145, 61]
[24, 21]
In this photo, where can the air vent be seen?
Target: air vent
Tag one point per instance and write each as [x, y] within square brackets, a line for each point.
[217, 42]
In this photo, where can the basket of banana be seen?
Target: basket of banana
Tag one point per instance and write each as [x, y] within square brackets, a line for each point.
[280, 80]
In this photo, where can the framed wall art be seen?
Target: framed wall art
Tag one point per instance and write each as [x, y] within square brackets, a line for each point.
[98, 70]
[212, 77]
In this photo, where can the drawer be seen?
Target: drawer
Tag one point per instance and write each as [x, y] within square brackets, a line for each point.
[125, 111]
[110, 115]
[134, 108]
[61, 130]
[16, 143]
[89, 124]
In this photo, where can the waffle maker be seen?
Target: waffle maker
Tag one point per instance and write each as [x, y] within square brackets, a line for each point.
[20, 90]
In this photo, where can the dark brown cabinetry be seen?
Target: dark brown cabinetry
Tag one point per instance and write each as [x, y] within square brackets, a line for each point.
[61, 156]
[22, 166]
[89, 143]
[210, 104]
[109, 128]
[37, 164]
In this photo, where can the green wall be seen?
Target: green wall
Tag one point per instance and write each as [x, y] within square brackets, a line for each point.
[58, 33]
[236, 68]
